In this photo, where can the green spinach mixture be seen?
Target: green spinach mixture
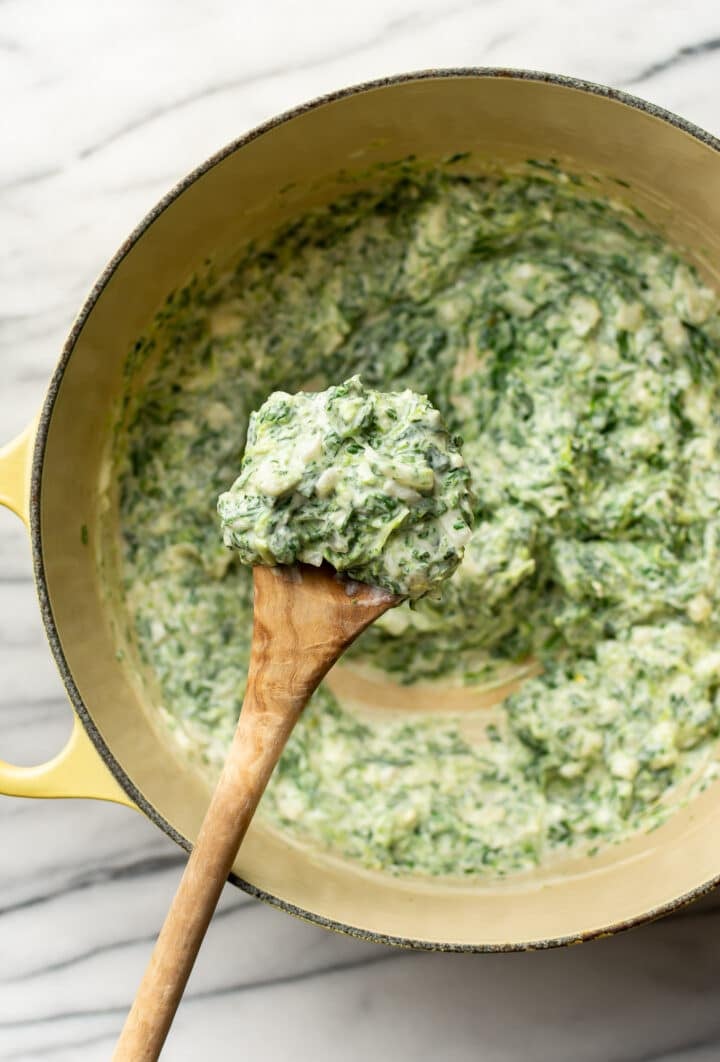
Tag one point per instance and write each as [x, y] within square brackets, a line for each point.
[576, 354]
[368, 481]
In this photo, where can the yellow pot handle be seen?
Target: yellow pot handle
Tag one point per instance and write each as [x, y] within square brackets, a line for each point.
[15, 467]
[78, 770]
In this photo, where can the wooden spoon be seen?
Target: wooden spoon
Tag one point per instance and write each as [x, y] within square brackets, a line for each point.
[304, 618]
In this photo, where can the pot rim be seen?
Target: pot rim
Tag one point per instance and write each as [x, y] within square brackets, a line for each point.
[51, 629]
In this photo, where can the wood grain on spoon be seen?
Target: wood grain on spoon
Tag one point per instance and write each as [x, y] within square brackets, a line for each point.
[304, 618]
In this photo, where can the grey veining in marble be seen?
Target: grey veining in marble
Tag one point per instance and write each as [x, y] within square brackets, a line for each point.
[104, 107]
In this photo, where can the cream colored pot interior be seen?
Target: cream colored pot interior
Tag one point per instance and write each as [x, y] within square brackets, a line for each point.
[674, 178]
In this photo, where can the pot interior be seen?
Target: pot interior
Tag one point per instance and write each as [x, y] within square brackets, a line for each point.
[672, 176]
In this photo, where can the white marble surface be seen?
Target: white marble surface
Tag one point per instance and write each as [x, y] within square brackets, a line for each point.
[104, 107]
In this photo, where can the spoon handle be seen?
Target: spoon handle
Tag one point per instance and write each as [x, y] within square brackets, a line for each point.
[262, 731]
[302, 621]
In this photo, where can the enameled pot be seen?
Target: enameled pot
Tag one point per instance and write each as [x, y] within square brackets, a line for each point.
[51, 477]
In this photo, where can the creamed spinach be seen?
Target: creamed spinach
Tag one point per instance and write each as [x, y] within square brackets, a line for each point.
[577, 356]
[368, 481]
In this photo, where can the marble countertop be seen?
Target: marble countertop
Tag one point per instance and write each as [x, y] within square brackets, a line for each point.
[105, 107]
